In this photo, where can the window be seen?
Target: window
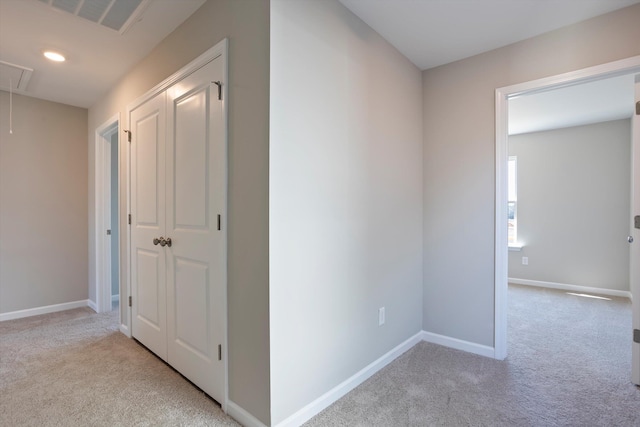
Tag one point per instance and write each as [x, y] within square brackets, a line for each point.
[512, 200]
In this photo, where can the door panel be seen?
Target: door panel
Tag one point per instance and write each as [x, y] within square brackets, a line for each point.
[148, 134]
[148, 284]
[191, 306]
[196, 183]
[191, 162]
[634, 274]
[148, 266]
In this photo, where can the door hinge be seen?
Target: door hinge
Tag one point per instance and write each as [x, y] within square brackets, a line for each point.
[638, 108]
[636, 336]
[128, 132]
[219, 222]
[130, 301]
[108, 232]
[219, 84]
[129, 218]
[219, 351]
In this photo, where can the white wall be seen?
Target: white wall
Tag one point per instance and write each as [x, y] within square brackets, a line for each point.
[246, 25]
[573, 205]
[459, 166]
[345, 199]
[43, 204]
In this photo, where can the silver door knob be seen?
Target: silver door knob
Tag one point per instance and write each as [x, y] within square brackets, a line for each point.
[630, 239]
[162, 241]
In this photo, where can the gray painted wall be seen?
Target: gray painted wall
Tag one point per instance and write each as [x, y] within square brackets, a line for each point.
[246, 24]
[43, 204]
[459, 161]
[345, 199]
[573, 205]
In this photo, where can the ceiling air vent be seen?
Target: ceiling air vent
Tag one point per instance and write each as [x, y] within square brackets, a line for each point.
[118, 15]
[14, 77]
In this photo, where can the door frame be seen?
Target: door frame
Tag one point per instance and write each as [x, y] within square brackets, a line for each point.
[220, 49]
[502, 95]
[634, 267]
[102, 165]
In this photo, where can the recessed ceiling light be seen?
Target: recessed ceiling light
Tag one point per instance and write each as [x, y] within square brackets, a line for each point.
[54, 56]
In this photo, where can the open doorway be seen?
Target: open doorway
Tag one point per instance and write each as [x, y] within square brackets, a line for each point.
[106, 221]
[569, 210]
[503, 95]
[569, 186]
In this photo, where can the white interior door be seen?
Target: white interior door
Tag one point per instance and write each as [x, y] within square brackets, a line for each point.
[634, 274]
[148, 260]
[178, 242]
[196, 183]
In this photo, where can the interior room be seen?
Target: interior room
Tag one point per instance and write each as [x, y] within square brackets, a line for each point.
[349, 165]
[571, 149]
[569, 187]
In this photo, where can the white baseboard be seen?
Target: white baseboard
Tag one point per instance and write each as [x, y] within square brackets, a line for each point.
[92, 305]
[115, 298]
[458, 344]
[309, 411]
[239, 414]
[44, 310]
[572, 288]
[318, 405]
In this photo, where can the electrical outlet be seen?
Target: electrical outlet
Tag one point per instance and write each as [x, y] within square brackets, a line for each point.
[525, 260]
[381, 316]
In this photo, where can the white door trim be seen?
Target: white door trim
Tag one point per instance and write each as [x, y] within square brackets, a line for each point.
[102, 169]
[219, 50]
[634, 263]
[611, 69]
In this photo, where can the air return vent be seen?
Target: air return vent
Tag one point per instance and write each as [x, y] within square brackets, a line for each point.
[14, 77]
[118, 15]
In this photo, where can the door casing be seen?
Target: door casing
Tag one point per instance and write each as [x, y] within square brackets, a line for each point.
[502, 96]
[102, 167]
[634, 260]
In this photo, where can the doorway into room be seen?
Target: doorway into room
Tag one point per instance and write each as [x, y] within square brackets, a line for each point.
[107, 276]
[630, 66]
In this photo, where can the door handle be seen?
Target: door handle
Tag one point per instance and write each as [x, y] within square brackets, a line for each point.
[162, 241]
[630, 239]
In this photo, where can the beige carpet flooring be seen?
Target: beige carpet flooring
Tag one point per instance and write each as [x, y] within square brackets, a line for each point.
[74, 368]
[568, 365]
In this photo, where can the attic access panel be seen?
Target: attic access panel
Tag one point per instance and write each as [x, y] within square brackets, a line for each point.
[14, 77]
[118, 15]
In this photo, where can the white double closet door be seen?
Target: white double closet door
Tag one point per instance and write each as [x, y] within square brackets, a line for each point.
[178, 182]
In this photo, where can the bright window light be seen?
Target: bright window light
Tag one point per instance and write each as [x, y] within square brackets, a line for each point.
[513, 200]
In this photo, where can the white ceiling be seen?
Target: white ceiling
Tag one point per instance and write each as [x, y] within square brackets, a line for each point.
[97, 57]
[598, 101]
[428, 32]
[436, 32]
